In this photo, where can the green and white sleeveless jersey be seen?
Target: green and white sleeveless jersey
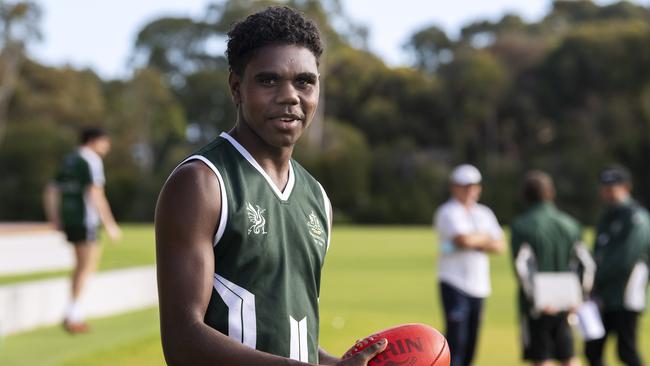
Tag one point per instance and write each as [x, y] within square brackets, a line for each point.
[269, 250]
[78, 171]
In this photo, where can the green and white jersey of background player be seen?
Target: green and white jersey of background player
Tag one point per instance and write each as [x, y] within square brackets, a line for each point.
[269, 250]
[78, 171]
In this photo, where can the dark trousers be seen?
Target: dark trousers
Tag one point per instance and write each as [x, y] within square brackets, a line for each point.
[463, 317]
[624, 324]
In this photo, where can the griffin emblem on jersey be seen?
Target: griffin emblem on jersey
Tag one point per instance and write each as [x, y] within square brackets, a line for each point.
[256, 218]
[315, 228]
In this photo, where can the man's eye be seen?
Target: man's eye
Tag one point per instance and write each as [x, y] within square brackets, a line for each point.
[270, 81]
[267, 79]
[305, 81]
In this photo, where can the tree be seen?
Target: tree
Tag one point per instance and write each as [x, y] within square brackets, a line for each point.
[18, 24]
[429, 47]
[48, 108]
[29, 158]
[342, 164]
[475, 83]
[148, 126]
[66, 97]
[176, 47]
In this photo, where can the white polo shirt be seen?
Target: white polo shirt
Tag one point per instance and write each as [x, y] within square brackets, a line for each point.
[468, 270]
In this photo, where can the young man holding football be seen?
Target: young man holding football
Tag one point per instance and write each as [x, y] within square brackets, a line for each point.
[242, 229]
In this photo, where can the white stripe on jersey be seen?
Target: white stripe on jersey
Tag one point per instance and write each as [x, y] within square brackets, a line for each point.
[298, 349]
[328, 211]
[224, 199]
[96, 167]
[242, 321]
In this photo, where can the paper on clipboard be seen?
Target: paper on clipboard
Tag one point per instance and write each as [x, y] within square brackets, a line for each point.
[590, 324]
[560, 291]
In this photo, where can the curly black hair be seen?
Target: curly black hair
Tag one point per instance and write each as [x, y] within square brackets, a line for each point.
[274, 25]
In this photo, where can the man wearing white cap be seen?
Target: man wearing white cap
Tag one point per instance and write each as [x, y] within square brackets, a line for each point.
[467, 231]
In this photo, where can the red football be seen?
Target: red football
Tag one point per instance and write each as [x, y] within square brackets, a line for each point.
[408, 345]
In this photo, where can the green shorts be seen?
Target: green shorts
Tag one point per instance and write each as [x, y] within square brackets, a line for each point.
[79, 235]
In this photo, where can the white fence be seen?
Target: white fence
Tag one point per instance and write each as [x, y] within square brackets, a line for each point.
[28, 248]
[28, 305]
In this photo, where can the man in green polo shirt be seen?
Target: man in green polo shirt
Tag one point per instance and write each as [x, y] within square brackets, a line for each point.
[621, 251]
[550, 236]
[76, 204]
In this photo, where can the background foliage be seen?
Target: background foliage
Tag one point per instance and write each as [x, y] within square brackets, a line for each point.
[567, 94]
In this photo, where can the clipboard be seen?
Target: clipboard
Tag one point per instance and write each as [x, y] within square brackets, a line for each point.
[560, 291]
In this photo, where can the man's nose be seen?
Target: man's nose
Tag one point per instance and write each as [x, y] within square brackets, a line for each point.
[287, 94]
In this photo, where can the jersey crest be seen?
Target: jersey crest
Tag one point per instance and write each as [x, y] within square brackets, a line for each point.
[256, 218]
[315, 229]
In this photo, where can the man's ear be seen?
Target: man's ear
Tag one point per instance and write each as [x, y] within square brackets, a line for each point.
[234, 81]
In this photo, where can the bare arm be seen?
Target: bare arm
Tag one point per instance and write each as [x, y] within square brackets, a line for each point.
[187, 215]
[325, 358]
[51, 204]
[188, 209]
[98, 199]
[480, 241]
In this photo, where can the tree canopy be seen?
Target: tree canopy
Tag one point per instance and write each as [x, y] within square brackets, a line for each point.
[569, 94]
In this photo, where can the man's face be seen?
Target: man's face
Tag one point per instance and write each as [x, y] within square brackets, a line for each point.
[101, 145]
[614, 194]
[277, 94]
[466, 194]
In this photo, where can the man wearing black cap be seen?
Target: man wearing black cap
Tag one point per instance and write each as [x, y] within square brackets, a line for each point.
[621, 251]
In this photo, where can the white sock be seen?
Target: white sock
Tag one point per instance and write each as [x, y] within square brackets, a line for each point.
[74, 313]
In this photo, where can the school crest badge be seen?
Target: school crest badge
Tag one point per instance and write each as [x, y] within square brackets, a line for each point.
[256, 218]
[316, 229]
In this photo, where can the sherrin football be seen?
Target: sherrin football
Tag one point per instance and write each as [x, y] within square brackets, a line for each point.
[408, 345]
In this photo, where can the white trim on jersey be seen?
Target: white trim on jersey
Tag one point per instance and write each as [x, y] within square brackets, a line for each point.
[96, 167]
[284, 195]
[328, 211]
[298, 348]
[224, 199]
[634, 297]
[242, 321]
[91, 215]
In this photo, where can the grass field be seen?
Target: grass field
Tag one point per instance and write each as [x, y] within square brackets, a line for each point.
[374, 277]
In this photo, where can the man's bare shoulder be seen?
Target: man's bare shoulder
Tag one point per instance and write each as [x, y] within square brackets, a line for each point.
[191, 188]
[193, 173]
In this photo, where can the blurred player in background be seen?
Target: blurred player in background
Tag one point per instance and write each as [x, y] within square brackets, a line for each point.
[75, 203]
[553, 239]
[621, 251]
[467, 231]
[242, 229]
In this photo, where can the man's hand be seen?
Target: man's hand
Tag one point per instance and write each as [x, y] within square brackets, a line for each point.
[51, 203]
[496, 246]
[114, 232]
[362, 358]
[549, 310]
[480, 241]
[98, 199]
